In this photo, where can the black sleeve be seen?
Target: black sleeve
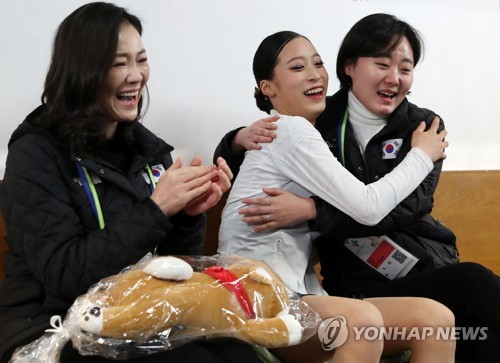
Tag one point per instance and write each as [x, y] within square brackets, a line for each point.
[224, 149]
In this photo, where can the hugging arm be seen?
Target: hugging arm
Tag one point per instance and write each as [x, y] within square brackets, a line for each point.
[225, 149]
[236, 142]
[333, 222]
[419, 203]
[306, 160]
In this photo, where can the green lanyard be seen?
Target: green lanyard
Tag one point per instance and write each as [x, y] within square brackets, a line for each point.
[341, 136]
[91, 192]
[151, 178]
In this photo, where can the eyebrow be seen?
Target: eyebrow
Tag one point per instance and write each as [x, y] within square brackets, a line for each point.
[405, 60]
[124, 54]
[301, 57]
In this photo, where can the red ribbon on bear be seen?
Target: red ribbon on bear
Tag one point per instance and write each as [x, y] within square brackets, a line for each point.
[230, 281]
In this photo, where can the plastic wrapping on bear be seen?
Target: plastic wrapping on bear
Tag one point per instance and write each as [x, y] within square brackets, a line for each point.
[163, 302]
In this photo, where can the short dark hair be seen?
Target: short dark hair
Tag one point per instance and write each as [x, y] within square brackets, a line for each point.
[84, 49]
[264, 62]
[375, 35]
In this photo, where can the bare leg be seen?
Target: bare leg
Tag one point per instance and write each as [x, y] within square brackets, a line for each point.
[357, 313]
[417, 313]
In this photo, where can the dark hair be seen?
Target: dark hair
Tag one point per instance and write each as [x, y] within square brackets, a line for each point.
[265, 60]
[375, 35]
[83, 52]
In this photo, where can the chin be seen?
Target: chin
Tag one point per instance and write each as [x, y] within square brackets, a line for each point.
[383, 111]
[127, 117]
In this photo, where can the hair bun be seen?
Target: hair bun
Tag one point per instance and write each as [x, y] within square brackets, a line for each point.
[262, 100]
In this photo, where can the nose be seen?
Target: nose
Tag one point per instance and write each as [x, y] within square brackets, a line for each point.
[314, 74]
[134, 75]
[392, 76]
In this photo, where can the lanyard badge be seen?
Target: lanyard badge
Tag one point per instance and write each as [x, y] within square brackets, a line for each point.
[152, 175]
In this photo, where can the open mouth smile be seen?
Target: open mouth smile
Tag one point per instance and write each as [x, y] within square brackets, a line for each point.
[128, 97]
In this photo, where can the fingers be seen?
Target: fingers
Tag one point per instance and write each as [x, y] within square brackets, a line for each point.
[254, 210]
[262, 134]
[254, 146]
[421, 127]
[223, 181]
[271, 121]
[196, 161]
[203, 200]
[176, 165]
[198, 191]
[435, 124]
[253, 203]
[263, 129]
[214, 196]
[273, 192]
[265, 227]
[222, 166]
[224, 175]
[263, 224]
[198, 175]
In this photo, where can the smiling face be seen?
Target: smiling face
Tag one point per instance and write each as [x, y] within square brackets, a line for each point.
[300, 81]
[121, 89]
[382, 83]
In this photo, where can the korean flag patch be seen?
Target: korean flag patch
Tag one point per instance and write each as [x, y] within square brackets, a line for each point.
[390, 148]
[157, 171]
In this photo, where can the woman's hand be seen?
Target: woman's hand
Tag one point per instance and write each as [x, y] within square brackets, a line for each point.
[180, 185]
[432, 142]
[224, 175]
[261, 130]
[220, 184]
[279, 209]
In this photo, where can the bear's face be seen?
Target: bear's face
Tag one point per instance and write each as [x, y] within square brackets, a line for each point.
[91, 319]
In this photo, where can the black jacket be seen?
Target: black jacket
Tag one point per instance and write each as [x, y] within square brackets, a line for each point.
[56, 250]
[409, 224]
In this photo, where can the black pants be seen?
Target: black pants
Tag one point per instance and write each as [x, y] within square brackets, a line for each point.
[217, 351]
[469, 290]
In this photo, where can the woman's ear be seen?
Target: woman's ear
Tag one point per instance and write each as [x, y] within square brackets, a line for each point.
[348, 68]
[267, 88]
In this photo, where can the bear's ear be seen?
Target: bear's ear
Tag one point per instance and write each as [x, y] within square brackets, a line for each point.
[169, 268]
[261, 275]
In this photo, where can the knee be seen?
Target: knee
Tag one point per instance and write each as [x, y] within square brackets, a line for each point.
[364, 314]
[433, 313]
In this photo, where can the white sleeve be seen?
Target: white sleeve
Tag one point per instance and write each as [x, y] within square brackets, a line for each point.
[306, 159]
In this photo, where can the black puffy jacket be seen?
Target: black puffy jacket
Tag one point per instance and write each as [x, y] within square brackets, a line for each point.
[56, 249]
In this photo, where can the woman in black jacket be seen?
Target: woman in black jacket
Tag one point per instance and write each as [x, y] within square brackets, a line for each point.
[82, 195]
[370, 149]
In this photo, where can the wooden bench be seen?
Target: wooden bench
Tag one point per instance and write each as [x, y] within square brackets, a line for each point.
[468, 202]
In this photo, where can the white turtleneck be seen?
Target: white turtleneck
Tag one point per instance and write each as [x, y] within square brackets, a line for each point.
[365, 124]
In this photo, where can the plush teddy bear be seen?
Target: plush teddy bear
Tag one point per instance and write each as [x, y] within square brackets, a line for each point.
[246, 301]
